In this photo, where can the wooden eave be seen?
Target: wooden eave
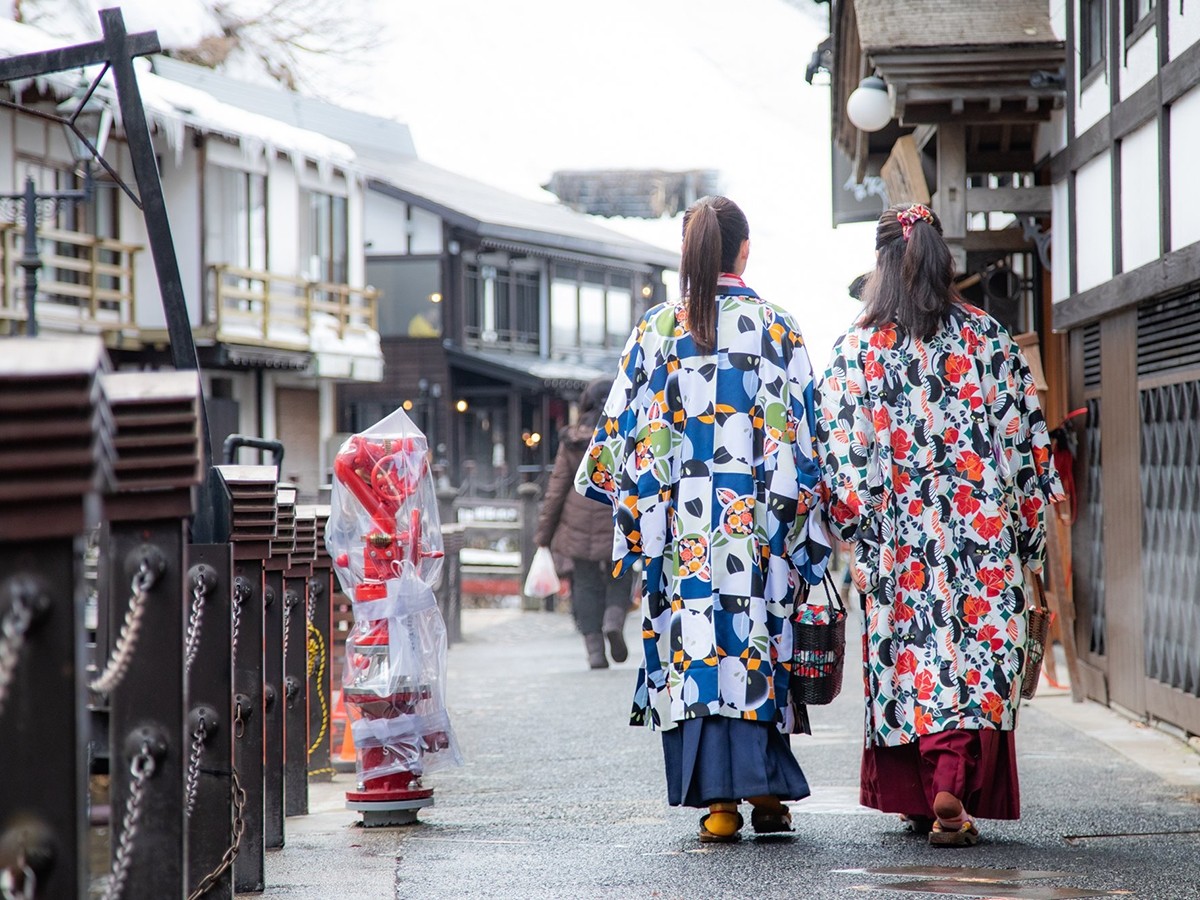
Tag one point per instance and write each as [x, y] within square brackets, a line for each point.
[969, 84]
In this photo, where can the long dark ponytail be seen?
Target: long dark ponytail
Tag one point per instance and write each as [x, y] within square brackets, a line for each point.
[713, 231]
[912, 286]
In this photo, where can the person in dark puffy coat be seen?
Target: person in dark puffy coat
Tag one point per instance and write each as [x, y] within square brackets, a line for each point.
[581, 529]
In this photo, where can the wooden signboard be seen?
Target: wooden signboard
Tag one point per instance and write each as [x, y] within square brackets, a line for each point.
[903, 175]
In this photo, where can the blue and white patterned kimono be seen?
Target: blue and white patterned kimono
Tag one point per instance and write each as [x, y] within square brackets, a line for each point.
[710, 464]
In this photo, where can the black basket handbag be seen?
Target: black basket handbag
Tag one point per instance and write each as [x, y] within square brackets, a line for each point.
[818, 647]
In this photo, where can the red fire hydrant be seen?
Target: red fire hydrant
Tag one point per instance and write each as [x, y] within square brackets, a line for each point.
[385, 541]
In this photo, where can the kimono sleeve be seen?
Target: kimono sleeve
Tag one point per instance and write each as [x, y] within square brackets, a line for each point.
[807, 544]
[599, 473]
[844, 436]
[1023, 449]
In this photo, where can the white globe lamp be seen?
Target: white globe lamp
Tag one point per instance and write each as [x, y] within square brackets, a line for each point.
[869, 107]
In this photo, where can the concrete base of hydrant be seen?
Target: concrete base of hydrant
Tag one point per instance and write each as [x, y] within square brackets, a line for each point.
[385, 813]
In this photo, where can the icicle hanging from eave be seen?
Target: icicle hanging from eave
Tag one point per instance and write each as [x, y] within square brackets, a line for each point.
[172, 128]
[324, 169]
[254, 149]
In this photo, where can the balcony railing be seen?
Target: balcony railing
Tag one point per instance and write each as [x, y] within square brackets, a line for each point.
[86, 283]
[251, 306]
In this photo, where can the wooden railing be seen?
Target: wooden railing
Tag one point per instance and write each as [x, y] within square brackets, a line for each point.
[85, 283]
[251, 306]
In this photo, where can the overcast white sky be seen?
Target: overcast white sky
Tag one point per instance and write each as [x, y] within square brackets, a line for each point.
[509, 92]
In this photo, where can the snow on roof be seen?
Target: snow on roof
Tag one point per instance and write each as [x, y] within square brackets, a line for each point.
[174, 108]
[369, 135]
[497, 214]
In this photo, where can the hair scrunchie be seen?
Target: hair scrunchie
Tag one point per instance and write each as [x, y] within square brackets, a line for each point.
[909, 217]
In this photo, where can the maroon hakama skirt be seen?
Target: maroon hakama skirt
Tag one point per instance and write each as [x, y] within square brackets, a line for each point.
[978, 767]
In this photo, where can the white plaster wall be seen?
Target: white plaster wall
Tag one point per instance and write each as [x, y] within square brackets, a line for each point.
[1051, 136]
[384, 229]
[147, 302]
[1140, 63]
[1139, 197]
[181, 189]
[1093, 222]
[1185, 139]
[31, 137]
[1058, 18]
[1092, 104]
[1059, 260]
[425, 231]
[1184, 25]
[181, 194]
[283, 220]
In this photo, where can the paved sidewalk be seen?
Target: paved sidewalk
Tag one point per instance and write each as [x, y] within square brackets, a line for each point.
[559, 798]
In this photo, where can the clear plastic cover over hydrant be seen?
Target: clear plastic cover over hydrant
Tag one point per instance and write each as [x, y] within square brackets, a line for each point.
[385, 538]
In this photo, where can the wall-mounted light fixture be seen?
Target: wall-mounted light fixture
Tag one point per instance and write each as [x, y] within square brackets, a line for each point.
[869, 108]
[435, 297]
[461, 406]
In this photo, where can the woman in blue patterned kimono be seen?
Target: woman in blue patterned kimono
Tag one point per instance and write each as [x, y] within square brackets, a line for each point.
[939, 470]
[705, 449]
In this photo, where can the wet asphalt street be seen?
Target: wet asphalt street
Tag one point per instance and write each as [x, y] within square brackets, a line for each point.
[560, 798]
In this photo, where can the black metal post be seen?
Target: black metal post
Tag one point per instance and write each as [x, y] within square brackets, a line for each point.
[295, 765]
[48, 390]
[212, 821]
[43, 720]
[147, 716]
[273, 703]
[250, 866]
[252, 493]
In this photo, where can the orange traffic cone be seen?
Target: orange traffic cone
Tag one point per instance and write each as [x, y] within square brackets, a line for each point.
[343, 756]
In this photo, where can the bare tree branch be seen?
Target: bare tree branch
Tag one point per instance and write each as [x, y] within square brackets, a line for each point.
[285, 37]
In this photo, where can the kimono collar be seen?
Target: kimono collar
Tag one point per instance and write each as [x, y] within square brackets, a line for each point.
[730, 285]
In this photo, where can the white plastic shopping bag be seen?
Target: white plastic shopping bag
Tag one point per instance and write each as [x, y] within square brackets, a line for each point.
[542, 580]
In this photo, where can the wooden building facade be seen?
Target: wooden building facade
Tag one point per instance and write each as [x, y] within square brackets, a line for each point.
[1128, 294]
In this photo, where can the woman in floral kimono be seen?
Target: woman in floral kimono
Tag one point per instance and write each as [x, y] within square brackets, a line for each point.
[705, 449]
[938, 467]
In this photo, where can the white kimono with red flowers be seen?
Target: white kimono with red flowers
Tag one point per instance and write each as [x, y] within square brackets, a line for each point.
[938, 465]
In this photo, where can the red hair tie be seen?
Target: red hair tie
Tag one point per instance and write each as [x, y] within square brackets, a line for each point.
[909, 217]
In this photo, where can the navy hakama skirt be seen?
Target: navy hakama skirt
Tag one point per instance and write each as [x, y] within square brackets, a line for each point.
[714, 759]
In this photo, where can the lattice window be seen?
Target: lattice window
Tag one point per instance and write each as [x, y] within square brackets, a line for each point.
[1089, 566]
[1170, 472]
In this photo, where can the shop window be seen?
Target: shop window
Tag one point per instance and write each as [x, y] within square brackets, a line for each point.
[1137, 13]
[590, 309]
[502, 305]
[324, 237]
[1091, 36]
[235, 218]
